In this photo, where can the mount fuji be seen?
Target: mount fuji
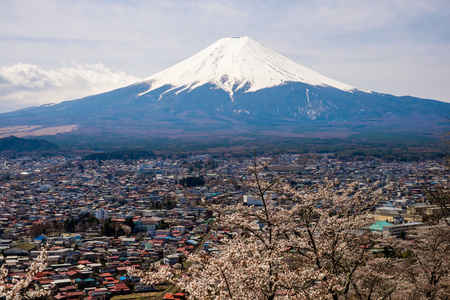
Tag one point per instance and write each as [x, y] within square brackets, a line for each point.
[234, 86]
[234, 64]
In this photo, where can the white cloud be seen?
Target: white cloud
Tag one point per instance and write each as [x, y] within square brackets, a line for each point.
[23, 85]
[343, 39]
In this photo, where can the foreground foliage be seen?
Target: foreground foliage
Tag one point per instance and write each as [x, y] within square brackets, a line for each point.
[305, 244]
[311, 243]
[18, 288]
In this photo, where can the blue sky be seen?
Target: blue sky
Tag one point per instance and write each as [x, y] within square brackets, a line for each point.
[56, 50]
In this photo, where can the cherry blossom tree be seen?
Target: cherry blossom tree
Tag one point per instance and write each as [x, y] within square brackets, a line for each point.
[425, 271]
[300, 244]
[19, 288]
[377, 279]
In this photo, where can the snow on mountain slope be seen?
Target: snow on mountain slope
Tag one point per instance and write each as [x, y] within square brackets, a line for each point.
[234, 63]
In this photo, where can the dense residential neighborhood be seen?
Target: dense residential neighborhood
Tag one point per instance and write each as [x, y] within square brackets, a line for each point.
[98, 218]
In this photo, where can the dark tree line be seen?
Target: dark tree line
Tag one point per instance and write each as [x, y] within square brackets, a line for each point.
[192, 181]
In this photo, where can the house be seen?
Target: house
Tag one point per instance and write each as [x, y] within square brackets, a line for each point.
[399, 229]
[22, 249]
[98, 292]
[378, 226]
[42, 239]
[119, 288]
[176, 296]
[148, 224]
[171, 259]
[250, 200]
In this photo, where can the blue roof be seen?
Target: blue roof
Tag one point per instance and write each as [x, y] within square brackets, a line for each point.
[41, 237]
[378, 226]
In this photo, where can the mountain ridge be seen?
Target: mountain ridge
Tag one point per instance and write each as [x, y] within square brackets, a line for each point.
[260, 93]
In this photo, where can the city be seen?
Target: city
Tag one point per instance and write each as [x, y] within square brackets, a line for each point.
[98, 218]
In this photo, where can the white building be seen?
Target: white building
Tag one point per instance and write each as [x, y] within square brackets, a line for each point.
[180, 228]
[101, 214]
[250, 200]
[388, 210]
[148, 224]
[149, 170]
[396, 230]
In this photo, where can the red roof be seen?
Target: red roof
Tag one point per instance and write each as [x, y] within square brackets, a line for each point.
[75, 294]
[45, 281]
[84, 262]
[71, 273]
[119, 287]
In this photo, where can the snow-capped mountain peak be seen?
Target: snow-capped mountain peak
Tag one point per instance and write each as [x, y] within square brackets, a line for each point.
[270, 96]
[234, 63]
